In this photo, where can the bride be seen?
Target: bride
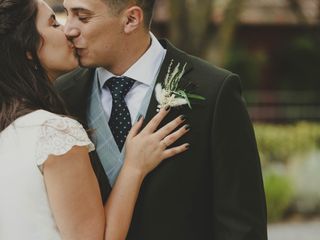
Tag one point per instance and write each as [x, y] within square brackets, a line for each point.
[48, 187]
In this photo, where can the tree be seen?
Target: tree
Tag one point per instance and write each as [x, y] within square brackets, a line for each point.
[54, 2]
[219, 53]
[189, 21]
[318, 11]
[296, 7]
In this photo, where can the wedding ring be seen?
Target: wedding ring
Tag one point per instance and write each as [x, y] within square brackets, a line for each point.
[164, 143]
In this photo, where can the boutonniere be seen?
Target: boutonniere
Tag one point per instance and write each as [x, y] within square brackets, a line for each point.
[169, 94]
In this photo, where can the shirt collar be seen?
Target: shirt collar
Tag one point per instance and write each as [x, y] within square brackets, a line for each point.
[144, 70]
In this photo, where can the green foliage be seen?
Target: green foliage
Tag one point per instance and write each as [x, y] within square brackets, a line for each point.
[292, 66]
[290, 160]
[279, 194]
[277, 143]
[306, 178]
[248, 65]
[297, 64]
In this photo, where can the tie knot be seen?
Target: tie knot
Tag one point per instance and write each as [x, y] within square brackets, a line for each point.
[119, 86]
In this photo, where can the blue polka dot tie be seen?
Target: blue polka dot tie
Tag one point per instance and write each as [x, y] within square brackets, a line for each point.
[120, 120]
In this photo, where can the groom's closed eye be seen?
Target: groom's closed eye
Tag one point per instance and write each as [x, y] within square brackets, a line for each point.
[83, 17]
[83, 14]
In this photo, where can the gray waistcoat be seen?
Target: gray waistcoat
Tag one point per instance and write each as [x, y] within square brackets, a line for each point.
[106, 147]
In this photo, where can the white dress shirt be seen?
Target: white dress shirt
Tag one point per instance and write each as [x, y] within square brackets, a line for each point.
[145, 71]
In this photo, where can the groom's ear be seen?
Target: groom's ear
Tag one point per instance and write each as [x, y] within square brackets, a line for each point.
[133, 19]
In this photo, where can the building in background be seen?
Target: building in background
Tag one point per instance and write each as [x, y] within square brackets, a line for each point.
[275, 50]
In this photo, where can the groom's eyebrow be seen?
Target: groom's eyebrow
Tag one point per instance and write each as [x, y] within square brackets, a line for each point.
[79, 9]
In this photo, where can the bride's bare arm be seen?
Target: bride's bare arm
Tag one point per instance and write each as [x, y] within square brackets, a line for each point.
[73, 190]
[74, 195]
[144, 151]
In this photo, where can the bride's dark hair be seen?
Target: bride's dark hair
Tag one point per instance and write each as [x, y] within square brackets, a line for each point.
[24, 84]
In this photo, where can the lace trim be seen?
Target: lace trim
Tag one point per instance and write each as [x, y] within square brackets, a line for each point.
[58, 136]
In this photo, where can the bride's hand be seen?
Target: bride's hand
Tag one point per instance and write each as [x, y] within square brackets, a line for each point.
[145, 149]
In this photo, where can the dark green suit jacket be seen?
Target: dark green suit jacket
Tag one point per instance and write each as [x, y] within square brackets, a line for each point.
[215, 189]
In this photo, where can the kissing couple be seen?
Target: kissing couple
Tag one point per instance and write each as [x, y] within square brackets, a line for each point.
[107, 132]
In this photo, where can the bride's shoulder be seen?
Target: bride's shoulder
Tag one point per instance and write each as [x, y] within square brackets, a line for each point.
[45, 118]
[57, 135]
[54, 126]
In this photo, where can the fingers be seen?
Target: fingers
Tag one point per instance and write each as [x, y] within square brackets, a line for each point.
[170, 139]
[175, 150]
[168, 128]
[156, 120]
[135, 128]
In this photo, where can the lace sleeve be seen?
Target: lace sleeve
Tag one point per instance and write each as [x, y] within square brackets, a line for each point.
[58, 136]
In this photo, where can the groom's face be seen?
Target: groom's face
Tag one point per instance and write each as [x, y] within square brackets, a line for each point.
[95, 30]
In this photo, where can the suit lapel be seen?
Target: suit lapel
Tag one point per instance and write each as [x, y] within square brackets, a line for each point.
[77, 92]
[177, 56]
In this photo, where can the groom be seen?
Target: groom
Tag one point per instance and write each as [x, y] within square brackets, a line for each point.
[212, 191]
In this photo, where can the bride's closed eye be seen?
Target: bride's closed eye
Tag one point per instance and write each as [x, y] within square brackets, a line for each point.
[56, 24]
[53, 21]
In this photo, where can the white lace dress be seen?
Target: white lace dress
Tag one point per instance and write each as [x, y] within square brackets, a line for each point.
[24, 146]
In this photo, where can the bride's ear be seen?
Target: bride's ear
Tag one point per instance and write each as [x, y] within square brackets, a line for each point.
[133, 19]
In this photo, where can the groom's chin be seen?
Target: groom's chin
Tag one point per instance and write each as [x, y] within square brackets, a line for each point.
[84, 64]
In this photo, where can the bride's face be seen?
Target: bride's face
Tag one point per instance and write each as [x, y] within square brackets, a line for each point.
[56, 53]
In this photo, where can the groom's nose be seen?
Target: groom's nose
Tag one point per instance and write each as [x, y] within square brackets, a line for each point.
[71, 32]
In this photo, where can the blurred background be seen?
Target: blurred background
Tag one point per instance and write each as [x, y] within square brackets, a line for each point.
[274, 45]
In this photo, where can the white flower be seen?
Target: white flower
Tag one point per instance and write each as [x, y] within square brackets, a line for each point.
[168, 94]
[167, 98]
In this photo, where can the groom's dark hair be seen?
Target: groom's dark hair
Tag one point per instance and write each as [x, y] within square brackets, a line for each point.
[146, 5]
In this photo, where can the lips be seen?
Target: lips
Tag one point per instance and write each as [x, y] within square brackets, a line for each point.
[71, 45]
[80, 51]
